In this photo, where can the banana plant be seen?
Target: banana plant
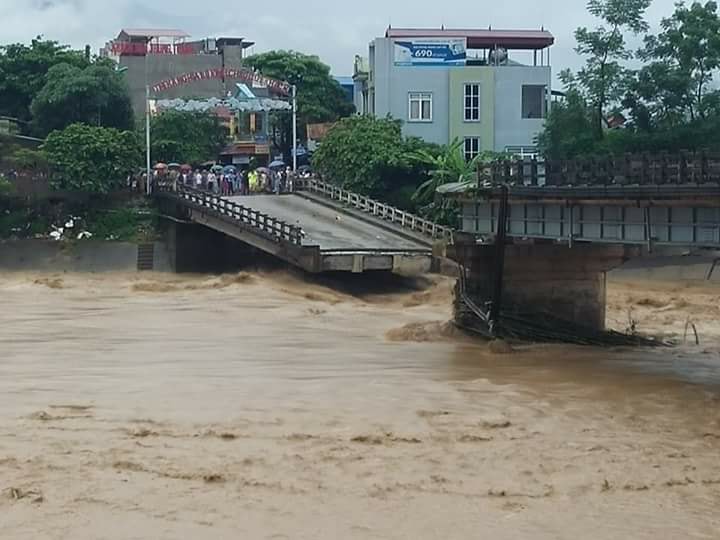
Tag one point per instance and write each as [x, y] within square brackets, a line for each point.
[448, 167]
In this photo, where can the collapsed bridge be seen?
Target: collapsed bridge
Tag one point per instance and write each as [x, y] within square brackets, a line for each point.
[319, 227]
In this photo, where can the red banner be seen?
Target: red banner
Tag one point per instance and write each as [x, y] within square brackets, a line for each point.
[244, 75]
[130, 48]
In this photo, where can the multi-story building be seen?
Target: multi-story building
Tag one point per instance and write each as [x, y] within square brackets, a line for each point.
[488, 88]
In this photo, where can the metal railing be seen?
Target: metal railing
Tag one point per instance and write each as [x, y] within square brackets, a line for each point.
[222, 207]
[663, 169]
[376, 208]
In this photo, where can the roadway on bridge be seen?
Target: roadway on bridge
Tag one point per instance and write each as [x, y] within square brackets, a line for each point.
[330, 228]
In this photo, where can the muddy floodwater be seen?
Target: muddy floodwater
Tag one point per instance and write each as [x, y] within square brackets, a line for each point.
[259, 406]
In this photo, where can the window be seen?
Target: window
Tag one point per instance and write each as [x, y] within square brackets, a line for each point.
[472, 147]
[420, 107]
[472, 102]
[534, 104]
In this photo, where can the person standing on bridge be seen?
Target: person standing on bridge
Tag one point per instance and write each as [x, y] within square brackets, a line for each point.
[211, 182]
[289, 180]
[276, 182]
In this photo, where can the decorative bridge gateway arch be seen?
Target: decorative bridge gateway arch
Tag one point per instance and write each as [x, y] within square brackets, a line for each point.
[222, 74]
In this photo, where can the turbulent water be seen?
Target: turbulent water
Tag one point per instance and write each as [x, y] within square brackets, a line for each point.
[263, 406]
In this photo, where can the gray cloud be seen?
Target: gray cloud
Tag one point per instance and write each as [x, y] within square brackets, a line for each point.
[335, 31]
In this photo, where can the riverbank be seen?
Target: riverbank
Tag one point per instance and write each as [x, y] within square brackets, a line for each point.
[263, 406]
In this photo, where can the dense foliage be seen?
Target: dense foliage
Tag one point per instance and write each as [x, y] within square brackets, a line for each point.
[90, 158]
[320, 98]
[370, 156]
[602, 79]
[24, 71]
[675, 86]
[187, 137]
[670, 102]
[95, 95]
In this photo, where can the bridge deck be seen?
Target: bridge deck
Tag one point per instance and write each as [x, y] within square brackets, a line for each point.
[317, 231]
[329, 228]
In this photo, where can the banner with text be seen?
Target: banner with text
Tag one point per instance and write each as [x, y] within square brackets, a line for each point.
[431, 52]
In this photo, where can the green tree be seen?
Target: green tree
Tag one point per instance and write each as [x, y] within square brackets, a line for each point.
[684, 57]
[96, 95]
[27, 159]
[5, 185]
[320, 98]
[603, 79]
[90, 158]
[569, 130]
[370, 156]
[24, 70]
[186, 137]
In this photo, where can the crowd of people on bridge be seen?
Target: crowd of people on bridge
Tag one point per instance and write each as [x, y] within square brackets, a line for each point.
[230, 181]
[225, 181]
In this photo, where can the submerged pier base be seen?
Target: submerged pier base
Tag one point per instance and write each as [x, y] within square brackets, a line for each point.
[544, 285]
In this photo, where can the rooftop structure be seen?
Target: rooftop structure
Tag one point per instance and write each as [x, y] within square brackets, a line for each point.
[168, 41]
[127, 34]
[481, 39]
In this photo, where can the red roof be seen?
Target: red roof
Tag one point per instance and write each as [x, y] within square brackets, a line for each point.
[153, 33]
[480, 39]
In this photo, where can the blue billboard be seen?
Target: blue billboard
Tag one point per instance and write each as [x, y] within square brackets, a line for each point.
[431, 52]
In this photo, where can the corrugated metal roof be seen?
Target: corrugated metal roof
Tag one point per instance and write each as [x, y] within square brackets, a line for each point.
[530, 39]
[154, 32]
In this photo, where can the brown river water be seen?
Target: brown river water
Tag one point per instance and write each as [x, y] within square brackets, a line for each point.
[260, 406]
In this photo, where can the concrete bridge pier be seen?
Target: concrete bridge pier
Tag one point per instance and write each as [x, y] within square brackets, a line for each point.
[568, 283]
[198, 249]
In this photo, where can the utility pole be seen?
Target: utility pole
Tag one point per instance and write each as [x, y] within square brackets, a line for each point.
[148, 181]
[294, 121]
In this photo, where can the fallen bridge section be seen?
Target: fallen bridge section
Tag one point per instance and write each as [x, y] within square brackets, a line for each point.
[315, 235]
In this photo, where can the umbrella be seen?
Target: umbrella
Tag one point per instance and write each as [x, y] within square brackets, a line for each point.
[160, 166]
[277, 164]
[186, 167]
[263, 170]
[174, 166]
[229, 169]
[217, 168]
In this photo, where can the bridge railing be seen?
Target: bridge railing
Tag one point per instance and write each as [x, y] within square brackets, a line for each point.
[685, 168]
[376, 208]
[220, 206]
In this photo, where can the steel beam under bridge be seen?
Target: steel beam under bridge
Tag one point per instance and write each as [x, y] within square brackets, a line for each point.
[687, 217]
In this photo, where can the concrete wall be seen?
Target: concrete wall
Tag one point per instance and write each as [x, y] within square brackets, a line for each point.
[85, 256]
[511, 129]
[485, 128]
[394, 83]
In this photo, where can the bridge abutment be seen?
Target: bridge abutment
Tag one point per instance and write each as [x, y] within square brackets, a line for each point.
[566, 283]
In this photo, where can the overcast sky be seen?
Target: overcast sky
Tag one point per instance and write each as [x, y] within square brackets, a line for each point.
[334, 30]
